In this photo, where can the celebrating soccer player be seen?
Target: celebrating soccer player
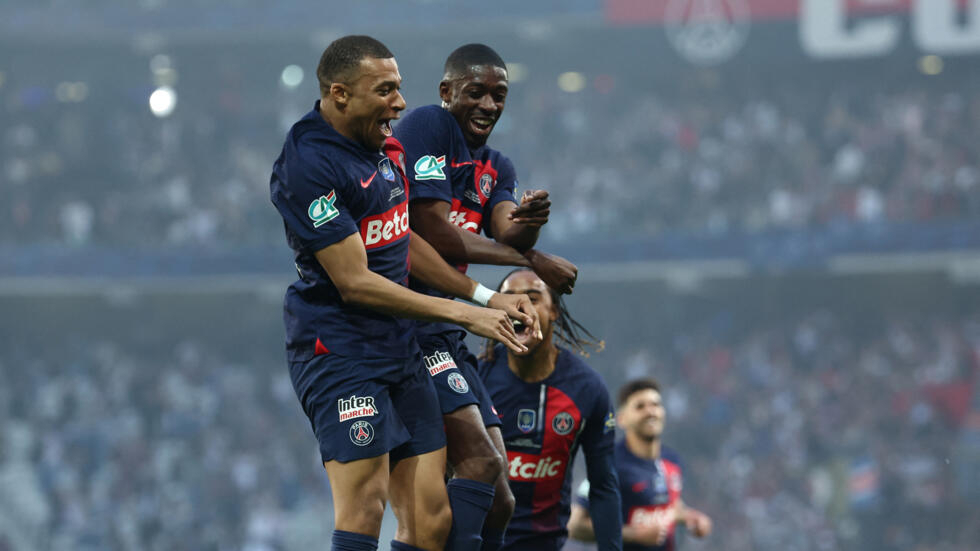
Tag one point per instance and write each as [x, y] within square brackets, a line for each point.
[340, 187]
[649, 478]
[551, 403]
[461, 186]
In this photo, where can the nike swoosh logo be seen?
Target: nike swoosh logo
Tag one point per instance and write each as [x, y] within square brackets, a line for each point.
[365, 184]
[454, 164]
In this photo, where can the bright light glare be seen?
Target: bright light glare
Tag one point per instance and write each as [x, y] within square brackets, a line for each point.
[163, 100]
[931, 64]
[292, 76]
[571, 82]
[516, 72]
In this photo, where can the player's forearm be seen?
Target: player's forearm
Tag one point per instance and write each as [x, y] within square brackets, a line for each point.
[464, 247]
[519, 236]
[377, 293]
[605, 505]
[429, 267]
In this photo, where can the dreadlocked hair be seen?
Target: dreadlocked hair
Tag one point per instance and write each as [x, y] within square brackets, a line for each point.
[567, 330]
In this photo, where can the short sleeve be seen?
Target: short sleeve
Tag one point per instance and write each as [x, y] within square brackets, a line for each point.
[310, 198]
[429, 149]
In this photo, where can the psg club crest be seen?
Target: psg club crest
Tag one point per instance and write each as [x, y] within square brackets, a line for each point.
[525, 420]
[457, 383]
[361, 433]
[563, 423]
[486, 184]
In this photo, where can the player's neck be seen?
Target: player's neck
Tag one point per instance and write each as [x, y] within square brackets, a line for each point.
[536, 366]
[336, 122]
[641, 447]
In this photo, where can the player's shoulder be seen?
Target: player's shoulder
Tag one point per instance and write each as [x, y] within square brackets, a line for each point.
[668, 454]
[579, 378]
[430, 117]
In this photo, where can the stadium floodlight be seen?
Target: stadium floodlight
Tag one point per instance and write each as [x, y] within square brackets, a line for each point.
[931, 64]
[163, 100]
[516, 72]
[571, 82]
[292, 76]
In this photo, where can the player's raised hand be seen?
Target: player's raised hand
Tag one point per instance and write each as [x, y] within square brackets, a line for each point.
[533, 210]
[698, 523]
[555, 271]
[518, 307]
[493, 324]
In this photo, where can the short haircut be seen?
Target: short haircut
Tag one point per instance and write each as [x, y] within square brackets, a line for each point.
[470, 55]
[344, 55]
[634, 386]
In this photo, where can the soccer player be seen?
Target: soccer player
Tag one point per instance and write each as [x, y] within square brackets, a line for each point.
[340, 187]
[649, 478]
[551, 403]
[461, 186]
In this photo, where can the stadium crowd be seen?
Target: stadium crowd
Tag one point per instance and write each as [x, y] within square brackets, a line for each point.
[794, 435]
[733, 155]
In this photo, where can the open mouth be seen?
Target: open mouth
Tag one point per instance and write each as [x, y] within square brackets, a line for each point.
[524, 332]
[481, 125]
[385, 127]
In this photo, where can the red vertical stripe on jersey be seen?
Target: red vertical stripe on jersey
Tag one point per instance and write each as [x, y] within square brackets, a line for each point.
[547, 493]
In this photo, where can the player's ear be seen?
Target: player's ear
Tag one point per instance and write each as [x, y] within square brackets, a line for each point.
[339, 93]
[445, 92]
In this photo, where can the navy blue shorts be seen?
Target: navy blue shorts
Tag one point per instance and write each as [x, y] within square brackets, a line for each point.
[453, 370]
[361, 408]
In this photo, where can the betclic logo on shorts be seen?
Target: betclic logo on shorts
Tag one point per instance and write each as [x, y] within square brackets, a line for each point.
[356, 406]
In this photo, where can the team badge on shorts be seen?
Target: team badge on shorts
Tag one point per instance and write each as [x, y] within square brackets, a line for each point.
[457, 383]
[563, 423]
[361, 433]
[525, 420]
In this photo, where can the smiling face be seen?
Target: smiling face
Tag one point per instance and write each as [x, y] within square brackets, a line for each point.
[476, 98]
[527, 282]
[643, 414]
[371, 101]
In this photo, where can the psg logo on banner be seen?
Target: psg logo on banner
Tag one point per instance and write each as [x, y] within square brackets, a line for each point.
[563, 423]
[707, 32]
[361, 433]
[525, 420]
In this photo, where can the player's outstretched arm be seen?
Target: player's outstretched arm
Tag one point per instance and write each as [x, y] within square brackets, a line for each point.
[429, 267]
[430, 219]
[346, 263]
[605, 504]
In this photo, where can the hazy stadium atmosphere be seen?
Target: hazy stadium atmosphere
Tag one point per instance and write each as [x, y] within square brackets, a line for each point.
[774, 206]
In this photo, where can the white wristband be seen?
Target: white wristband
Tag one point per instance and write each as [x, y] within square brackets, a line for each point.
[482, 295]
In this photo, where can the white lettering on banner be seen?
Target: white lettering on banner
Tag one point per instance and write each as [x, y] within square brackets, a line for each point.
[542, 468]
[824, 33]
[935, 27]
[936, 30]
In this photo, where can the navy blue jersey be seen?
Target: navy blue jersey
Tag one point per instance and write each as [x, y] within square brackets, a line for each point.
[650, 491]
[328, 187]
[441, 166]
[544, 423]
